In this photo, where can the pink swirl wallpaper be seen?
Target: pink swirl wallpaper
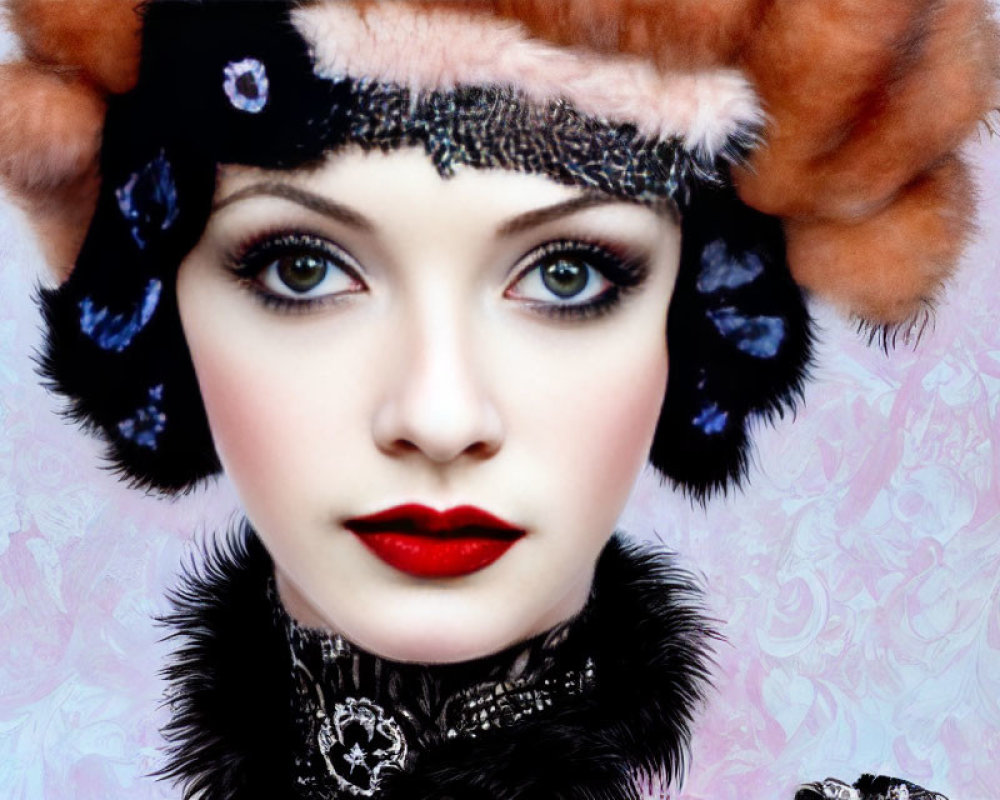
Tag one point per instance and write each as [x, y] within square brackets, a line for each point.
[857, 580]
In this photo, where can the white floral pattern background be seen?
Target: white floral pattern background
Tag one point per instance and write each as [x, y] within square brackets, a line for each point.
[858, 578]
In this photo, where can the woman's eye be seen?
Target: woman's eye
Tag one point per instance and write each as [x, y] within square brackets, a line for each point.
[300, 268]
[570, 275]
[306, 275]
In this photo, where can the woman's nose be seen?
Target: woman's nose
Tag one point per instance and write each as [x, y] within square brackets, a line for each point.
[437, 403]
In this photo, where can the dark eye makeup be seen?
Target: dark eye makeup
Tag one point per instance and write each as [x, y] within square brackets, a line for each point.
[562, 279]
[296, 271]
[576, 279]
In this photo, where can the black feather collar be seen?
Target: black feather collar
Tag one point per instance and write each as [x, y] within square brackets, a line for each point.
[235, 730]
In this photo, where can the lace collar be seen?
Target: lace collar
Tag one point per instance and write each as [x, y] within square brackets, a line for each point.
[358, 717]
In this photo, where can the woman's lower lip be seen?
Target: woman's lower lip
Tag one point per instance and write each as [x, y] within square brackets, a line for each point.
[431, 556]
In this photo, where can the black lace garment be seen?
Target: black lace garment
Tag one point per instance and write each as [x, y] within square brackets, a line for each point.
[358, 717]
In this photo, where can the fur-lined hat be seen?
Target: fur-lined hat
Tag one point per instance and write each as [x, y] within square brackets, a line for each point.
[824, 132]
[866, 105]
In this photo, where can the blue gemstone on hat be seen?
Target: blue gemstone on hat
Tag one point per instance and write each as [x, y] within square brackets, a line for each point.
[148, 423]
[246, 85]
[720, 269]
[760, 336]
[712, 420]
[115, 332]
[148, 199]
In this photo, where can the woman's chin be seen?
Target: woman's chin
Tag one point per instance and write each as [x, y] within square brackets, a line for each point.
[433, 646]
[410, 630]
[424, 637]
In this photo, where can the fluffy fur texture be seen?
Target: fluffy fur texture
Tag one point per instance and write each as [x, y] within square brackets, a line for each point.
[230, 684]
[863, 99]
[50, 125]
[441, 48]
[738, 333]
[52, 107]
[858, 131]
[70, 116]
[873, 262]
[679, 34]
[99, 38]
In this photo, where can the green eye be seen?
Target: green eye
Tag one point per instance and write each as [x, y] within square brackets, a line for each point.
[573, 279]
[565, 277]
[300, 269]
[565, 274]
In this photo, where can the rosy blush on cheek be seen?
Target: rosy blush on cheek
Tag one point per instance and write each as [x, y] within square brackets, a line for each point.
[238, 416]
[627, 433]
[268, 436]
[604, 412]
[246, 405]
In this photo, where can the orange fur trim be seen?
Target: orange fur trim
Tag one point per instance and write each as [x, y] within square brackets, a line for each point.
[853, 120]
[52, 111]
[50, 127]
[50, 132]
[100, 37]
[864, 97]
[60, 218]
[889, 267]
[674, 34]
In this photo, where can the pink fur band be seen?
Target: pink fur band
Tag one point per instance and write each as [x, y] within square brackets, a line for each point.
[428, 50]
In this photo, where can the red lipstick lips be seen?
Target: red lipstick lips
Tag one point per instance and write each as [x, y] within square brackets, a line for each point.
[426, 543]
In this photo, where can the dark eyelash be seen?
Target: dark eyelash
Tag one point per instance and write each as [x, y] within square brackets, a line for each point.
[626, 272]
[253, 255]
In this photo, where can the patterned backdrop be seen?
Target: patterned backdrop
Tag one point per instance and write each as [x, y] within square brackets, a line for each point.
[858, 579]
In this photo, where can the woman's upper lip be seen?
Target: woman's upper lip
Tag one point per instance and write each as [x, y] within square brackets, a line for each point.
[419, 519]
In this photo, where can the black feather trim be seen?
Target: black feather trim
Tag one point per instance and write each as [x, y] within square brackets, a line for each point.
[230, 689]
[229, 680]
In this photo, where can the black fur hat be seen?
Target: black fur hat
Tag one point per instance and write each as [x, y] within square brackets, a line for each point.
[236, 83]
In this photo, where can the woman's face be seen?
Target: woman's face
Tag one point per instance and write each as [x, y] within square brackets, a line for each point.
[376, 344]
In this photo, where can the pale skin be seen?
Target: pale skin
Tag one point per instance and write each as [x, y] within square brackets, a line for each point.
[434, 365]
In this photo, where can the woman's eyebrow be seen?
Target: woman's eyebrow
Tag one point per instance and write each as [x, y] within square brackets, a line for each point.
[539, 216]
[313, 202]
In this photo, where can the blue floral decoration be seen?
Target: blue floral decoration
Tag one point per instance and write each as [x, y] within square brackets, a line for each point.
[146, 425]
[712, 420]
[148, 200]
[115, 332]
[246, 85]
[720, 270]
[760, 337]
